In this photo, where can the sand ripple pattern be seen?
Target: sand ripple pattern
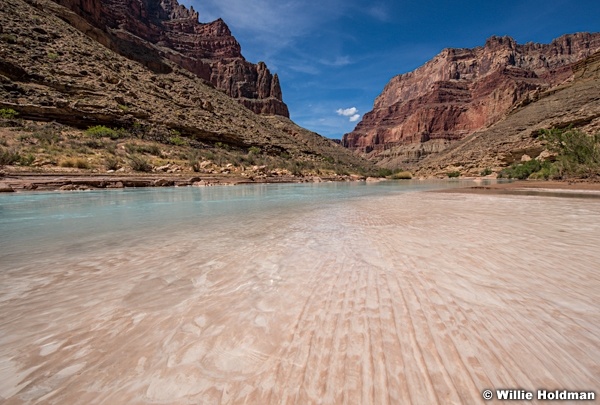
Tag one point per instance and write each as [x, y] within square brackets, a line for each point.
[422, 298]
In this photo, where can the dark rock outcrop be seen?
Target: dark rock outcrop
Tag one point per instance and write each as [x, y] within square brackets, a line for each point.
[461, 91]
[146, 30]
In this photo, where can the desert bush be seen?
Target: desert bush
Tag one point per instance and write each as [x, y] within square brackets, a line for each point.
[79, 163]
[384, 172]
[222, 145]
[82, 164]
[522, 170]
[453, 174]
[404, 175]
[137, 130]
[112, 163]
[100, 131]
[177, 140]
[9, 157]
[94, 144]
[253, 150]
[139, 163]
[26, 160]
[8, 113]
[67, 163]
[486, 172]
[577, 152]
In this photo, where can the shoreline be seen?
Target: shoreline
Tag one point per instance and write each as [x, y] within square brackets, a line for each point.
[549, 188]
[49, 181]
[26, 182]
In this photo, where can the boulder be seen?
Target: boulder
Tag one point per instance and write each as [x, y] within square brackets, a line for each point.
[6, 188]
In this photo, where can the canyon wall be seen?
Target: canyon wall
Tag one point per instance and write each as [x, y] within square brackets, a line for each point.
[148, 30]
[461, 91]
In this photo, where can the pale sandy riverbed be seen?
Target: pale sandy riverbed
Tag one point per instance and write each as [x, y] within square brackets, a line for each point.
[420, 298]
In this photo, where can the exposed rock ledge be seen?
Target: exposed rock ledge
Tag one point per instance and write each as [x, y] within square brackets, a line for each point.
[77, 182]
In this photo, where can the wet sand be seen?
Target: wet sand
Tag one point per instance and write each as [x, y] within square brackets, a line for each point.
[421, 298]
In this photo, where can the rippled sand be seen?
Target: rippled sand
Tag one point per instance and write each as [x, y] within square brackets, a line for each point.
[421, 298]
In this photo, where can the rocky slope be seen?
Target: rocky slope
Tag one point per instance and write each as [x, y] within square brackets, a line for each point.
[144, 29]
[575, 103]
[54, 68]
[461, 91]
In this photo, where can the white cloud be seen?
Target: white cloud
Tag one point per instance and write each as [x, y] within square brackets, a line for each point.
[347, 112]
[351, 113]
[338, 61]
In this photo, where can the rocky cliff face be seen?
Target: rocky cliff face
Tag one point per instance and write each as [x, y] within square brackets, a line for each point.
[461, 91]
[52, 68]
[144, 29]
[571, 104]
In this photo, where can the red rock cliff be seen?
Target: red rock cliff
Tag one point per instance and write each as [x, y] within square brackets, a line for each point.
[148, 30]
[463, 90]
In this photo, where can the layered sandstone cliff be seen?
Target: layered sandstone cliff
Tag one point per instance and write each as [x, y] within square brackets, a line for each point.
[144, 29]
[461, 91]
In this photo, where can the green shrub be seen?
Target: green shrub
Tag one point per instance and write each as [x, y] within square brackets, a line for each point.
[8, 113]
[222, 145]
[139, 163]
[577, 152]
[177, 140]
[9, 157]
[522, 170]
[82, 164]
[112, 163]
[453, 174]
[384, 172]
[486, 172]
[100, 131]
[78, 163]
[26, 160]
[254, 150]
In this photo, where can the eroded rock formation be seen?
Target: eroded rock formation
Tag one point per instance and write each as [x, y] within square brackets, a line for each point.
[144, 29]
[464, 90]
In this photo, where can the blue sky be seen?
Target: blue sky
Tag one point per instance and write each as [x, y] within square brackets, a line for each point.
[334, 57]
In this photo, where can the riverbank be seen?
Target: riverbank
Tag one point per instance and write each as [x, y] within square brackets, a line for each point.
[578, 188]
[17, 182]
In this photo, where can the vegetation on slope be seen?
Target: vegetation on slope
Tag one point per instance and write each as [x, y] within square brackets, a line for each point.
[576, 155]
[51, 147]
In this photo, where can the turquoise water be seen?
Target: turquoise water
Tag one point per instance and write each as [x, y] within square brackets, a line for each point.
[33, 224]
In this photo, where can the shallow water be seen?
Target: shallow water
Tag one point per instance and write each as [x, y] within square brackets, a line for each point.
[329, 293]
[36, 224]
